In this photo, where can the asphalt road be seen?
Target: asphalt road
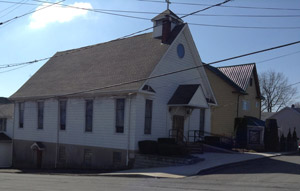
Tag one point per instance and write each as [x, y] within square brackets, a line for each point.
[279, 173]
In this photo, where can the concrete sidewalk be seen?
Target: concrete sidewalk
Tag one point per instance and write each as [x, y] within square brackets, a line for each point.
[212, 160]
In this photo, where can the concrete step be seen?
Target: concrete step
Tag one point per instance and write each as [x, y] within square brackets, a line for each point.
[149, 161]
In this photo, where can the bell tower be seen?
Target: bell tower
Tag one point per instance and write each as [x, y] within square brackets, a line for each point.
[164, 23]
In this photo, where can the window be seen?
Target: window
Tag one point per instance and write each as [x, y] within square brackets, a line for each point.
[62, 114]
[2, 124]
[148, 116]
[120, 109]
[251, 81]
[180, 50]
[40, 115]
[202, 119]
[257, 104]
[245, 105]
[21, 115]
[62, 154]
[88, 115]
[87, 158]
[117, 158]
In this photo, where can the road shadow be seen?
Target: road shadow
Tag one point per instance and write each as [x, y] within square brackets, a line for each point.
[289, 164]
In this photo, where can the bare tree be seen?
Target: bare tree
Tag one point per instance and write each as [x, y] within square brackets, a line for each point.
[276, 91]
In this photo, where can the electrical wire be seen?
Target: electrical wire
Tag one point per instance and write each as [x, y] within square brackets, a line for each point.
[244, 27]
[69, 52]
[216, 5]
[177, 71]
[3, 10]
[227, 6]
[17, 17]
[19, 5]
[277, 57]
[155, 13]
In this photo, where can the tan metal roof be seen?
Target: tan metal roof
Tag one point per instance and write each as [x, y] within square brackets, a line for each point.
[239, 74]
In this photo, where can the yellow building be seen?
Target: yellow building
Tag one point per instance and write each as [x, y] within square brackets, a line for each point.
[237, 92]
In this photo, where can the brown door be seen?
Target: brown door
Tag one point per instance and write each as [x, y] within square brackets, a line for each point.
[178, 127]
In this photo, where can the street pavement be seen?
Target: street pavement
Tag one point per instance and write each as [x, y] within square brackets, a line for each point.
[211, 160]
[276, 173]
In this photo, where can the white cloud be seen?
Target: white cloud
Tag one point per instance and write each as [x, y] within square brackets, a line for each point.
[57, 13]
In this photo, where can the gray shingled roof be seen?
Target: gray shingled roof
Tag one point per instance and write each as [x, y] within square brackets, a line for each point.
[166, 12]
[96, 66]
[4, 138]
[6, 110]
[183, 94]
[239, 74]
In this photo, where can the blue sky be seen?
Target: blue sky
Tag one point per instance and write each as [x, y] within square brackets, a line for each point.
[55, 29]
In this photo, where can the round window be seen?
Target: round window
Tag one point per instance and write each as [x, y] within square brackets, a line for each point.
[180, 50]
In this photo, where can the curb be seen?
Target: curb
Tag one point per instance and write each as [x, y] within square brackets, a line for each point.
[219, 167]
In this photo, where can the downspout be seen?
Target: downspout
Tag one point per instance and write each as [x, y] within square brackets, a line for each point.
[128, 136]
[13, 136]
[57, 135]
[238, 106]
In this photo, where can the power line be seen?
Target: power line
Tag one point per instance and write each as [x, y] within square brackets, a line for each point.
[69, 52]
[277, 57]
[14, 4]
[17, 17]
[155, 13]
[227, 6]
[182, 70]
[243, 27]
[216, 5]
[97, 11]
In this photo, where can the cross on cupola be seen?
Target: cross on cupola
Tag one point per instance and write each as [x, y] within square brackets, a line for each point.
[168, 4]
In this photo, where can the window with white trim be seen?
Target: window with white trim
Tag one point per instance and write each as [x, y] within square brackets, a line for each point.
[148, 116]
[3, 122]
[245, 105]
[40, 108]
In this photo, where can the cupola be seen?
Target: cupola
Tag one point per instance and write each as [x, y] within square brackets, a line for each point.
[164, 23]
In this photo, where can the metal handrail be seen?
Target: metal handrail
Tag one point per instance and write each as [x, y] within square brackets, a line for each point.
[177, 133]
[196, 135]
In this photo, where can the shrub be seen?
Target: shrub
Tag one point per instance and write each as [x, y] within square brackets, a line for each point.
[282, 143]
[171, 150]
[171, 141]
[271, 139]
[148, 147]
[212, 140]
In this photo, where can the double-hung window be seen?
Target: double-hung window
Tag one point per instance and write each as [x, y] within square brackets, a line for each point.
[88, 115]
[2, 124]
[40, 114]
[120, 113]
[202, 121]
[62, 114]
[148, 116]
[21, 115]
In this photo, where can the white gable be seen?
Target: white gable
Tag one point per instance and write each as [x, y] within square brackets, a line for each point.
[199, 100]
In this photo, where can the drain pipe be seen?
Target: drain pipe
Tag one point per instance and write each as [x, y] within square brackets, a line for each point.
[57, 135]
[129, 124]
[13, 135]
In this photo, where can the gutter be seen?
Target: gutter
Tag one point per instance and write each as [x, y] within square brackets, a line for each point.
[57, 135]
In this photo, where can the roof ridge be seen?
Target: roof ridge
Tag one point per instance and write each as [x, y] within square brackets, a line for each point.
[253, 63]
[102, 43]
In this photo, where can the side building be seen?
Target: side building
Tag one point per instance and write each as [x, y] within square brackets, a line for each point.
[238, 94]
[6, 132]
[89, 107]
